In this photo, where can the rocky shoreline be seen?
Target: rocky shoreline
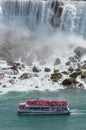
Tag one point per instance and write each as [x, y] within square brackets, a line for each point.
[74, 76]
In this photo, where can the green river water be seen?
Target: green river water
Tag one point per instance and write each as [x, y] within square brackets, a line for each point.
[9, 120]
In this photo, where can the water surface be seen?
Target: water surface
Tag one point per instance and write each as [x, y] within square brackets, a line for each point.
[9, 120]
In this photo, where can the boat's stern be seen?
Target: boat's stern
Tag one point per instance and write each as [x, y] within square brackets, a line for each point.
[21, 108]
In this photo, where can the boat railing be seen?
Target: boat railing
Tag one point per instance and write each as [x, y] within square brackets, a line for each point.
[44, 106]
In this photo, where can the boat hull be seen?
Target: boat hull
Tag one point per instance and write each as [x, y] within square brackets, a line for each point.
[43, 113]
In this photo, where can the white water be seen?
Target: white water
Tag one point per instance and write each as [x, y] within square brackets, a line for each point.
[74, 18]
[24, 39]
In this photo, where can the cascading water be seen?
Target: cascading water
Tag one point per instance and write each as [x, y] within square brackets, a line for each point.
[31, 13]
[43, 34]
[74, 18]
[68, 15]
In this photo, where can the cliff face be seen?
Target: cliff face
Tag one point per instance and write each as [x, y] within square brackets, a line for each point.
[57, 8]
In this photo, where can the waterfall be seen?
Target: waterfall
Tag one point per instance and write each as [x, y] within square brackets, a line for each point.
[32, 13]
[21, 21]
[74, 17]
[67, 15]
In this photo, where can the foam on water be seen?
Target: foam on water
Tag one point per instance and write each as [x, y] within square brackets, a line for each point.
[76, 112]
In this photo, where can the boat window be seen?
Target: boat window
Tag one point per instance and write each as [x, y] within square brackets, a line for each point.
[39, 108]
[44, 108]
[53, 108]
[34, 108]
[61, 109]
[65, 108]
[23, 105]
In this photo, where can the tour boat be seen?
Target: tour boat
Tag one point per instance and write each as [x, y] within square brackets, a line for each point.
[42, 107]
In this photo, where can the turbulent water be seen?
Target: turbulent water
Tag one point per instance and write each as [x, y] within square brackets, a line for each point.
[9, 120]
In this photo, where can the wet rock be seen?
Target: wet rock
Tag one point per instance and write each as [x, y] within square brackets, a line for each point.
[56, 70]
[80, 85]
[78, 71]
[55, 17]
[67, 63]
[56, 76]
[36, 87]
[1, 75]
[72, 59]
[83, 75]
[47, 70]
[57, 62]
[84, 61]
[74, 75]
[36, 75]
[71, 69]
[14, 77]
[79, 65]
[65, 72]
[12, 81]
[35, 69]
[24, 76]
[80, 51]
[68, 81]
[15, 66]
[76, 57]
[72, 86]
[84, 66]
[4, 86]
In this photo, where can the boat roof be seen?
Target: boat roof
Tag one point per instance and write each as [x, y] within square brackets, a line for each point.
[46, 103]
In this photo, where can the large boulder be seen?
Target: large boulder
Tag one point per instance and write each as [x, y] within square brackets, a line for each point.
[67, 63]
[68, 81]
[35, 69]
[47, 69]
[84, 66]
[71, 59]
[4, 86]
[24, 76]
[57, 62]
[80, 51]
[56, 76]
[75, 74]
[83, 75]
[15, 66]
[74, 58]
